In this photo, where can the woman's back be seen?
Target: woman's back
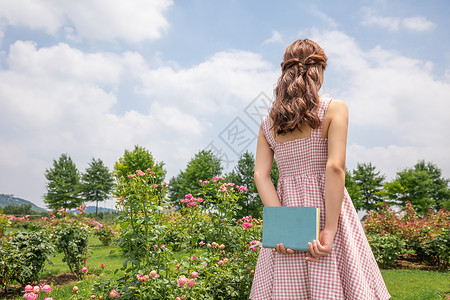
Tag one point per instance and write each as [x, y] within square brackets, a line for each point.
[299, 154]
[307, 136]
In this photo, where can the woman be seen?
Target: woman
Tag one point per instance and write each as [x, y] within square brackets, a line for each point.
[308, 135]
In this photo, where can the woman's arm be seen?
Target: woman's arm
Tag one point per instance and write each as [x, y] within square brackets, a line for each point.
[263, 166]
[334, 178]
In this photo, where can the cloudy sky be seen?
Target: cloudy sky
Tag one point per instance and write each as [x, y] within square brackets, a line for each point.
[92, 78]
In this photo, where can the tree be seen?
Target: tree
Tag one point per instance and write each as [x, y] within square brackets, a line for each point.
[96, 183]
[243, 174]
[369, 183]
[422, 185]
[353, 191]
[23, 209]
[138, 159]
[63, 186]
[204, 166]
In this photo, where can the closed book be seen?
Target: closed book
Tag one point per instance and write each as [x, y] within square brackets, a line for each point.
[294, 226]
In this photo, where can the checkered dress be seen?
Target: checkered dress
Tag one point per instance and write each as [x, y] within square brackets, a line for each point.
[350, 270]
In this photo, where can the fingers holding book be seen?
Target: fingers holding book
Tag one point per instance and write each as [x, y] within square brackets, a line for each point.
[280, 249]
[320, 247]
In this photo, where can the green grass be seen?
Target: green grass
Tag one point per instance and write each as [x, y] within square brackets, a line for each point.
[416, 284]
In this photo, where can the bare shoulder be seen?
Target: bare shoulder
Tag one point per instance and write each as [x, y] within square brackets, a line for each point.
[337, 105]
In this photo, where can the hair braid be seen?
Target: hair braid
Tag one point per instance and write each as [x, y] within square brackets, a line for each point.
[297, 91]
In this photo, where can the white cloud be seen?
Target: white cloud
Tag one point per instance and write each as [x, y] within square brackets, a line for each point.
[418, 24]
[59, 99]
[393, 93]
[131, 21]
[275, 38]
[393, 158]
[394, 24]
[220, 84]
[37, 15]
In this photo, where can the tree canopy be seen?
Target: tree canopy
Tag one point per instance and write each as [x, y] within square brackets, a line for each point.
[422, 185]
[96, 183]
[203, 166]
[63, 186]
[138, 159]
[243, 174]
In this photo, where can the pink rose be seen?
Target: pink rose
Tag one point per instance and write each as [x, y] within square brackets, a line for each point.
[130, 176]
[182, 280]
[194, 275]
[220, 262]
[49, 298]
[36, 289]
[46, 288]
[102, 266]
[191, 283]
[114, 294]
[31, 296]
[201, 243]
[84, 269]
[153, 274]
[28, 288]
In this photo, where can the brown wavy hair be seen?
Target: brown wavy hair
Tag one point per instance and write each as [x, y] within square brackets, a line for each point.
[297, 91]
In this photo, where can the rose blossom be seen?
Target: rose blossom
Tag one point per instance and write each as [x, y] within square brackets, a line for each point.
[46, 288]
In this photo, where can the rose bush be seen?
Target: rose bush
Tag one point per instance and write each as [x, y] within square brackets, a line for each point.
[427, 236]
[218, 261]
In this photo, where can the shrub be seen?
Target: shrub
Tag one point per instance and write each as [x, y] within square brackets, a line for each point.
[386, 248]
[23, 256]
[70, 236]
[426, 235]
[104, 233]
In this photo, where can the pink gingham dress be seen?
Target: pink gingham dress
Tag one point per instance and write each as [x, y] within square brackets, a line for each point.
[350, 270]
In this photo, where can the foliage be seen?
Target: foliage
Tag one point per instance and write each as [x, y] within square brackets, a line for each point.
[426, 235]
[4, 222]
[70, 236]
[63, 186]
[138, 159]
[220, 263]
[353, 191]
[243, 174]
[140, 209]
[23, 209]
[96, 183]
[104, 233]
[386, 248]
[203, 166]
[23, 256]
[422, 185]
[369, 183]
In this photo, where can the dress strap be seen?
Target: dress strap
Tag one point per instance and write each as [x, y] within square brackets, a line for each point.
[266, 126]
[323, 107]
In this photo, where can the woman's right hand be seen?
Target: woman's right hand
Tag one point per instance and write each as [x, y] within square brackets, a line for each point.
[322, 246]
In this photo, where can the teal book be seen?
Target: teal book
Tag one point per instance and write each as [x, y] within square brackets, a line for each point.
[294, 226]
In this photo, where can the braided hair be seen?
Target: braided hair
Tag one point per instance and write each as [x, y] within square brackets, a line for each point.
[297, 91]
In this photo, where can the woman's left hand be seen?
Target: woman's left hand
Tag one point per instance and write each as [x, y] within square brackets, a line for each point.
[322, 246]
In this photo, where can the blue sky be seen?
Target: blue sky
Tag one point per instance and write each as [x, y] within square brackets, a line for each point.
[93, 78]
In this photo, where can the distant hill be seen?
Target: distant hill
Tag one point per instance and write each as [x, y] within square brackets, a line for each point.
[6, 200]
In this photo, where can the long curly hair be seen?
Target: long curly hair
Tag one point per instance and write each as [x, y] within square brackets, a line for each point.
[297, 91]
